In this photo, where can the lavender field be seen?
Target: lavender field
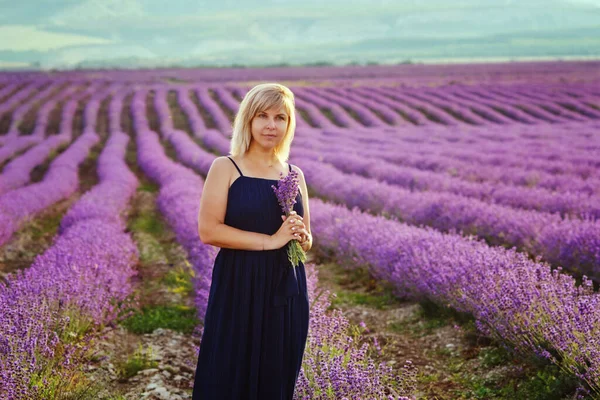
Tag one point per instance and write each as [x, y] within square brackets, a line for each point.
[472, 188]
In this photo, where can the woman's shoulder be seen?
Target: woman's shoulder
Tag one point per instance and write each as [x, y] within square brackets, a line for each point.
[222, 166]
[222, 163]
[297, 169]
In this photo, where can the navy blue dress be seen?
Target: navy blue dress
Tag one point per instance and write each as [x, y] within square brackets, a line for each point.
[256, 321]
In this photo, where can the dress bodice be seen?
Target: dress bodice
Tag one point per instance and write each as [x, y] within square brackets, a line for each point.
[252, 205]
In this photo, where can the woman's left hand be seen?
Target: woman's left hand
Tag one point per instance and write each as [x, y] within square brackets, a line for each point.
[303, 237]
[305, 241]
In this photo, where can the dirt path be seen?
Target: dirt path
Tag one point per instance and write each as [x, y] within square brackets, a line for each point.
[141, 358]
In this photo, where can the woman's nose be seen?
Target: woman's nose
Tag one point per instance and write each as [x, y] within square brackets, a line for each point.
[271, 124]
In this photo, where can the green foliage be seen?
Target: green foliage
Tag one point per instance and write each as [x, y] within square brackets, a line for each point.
[140, 360]
[178, 318]
[548, 383]
[179, 279]
[147, 222]
[494, 356]
[147, 187]
[47, 225]
[377, 301]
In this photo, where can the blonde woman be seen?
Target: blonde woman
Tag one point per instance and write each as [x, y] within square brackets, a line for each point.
[256, 321]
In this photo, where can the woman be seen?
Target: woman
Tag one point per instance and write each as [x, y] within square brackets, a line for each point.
[256, 321]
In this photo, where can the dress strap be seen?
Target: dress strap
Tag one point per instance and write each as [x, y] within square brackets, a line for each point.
[290, 165]
[238, 168]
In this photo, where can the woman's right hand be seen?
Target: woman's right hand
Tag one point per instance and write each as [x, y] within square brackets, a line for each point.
[292, 228]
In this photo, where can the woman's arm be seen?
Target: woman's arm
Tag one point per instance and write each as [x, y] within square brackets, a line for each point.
[211, 217]
[306, 244]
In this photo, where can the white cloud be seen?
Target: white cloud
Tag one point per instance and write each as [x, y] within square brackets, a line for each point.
[595, 3]
[209, 47]
[72, 56]
[94, 12]
[13, 64]
[30, 38]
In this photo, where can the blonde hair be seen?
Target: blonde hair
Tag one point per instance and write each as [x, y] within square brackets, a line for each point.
[260, 98]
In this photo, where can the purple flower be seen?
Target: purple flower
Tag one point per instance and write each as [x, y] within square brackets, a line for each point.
[286, 192]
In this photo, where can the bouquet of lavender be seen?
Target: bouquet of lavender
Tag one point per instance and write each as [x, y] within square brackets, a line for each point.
[286, 192]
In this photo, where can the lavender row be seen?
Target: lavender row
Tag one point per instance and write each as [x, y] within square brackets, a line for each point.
[487, 94]
[7, 90]
[574, 204]
[186, 149]
[17, 172]
[462, 109]
[308, 114]
[470, 171]
[20, 111]
[368, 100]
[543, 110]
[548, 141]
[221, 120]
[384, 109]
[43, 114]
[411, 155]
[551, 155]
[18, 143]
[410, 114]
[519, 301]
[178, 200]
[46, 311]
[469, 151]
[20, 96]
[546, 73]
[314, 114]
[352, 375]
[559, 242]
[565, 101]
[546, 111]
[462, 93]
[425, 108]
[574, 244]
[487, 113]
[339, 115]
[60, 182]
[556, 112]
[212, 137]
[364, 114]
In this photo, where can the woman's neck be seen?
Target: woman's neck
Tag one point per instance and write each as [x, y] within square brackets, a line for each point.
[262, 158]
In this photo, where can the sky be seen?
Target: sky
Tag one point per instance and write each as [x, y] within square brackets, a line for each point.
[130, 33]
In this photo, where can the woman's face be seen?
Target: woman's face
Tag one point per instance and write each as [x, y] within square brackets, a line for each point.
[268, 127]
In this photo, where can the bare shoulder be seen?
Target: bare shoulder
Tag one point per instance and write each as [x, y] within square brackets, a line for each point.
[299, 171]
[221, 166]
[221, 161]
[221, 170]
[303, 187]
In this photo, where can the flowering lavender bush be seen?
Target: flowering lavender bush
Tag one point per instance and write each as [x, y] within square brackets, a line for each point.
[336, 366]
[180, 190]
[286, 191]
[17, 173]
[525, 303]
[48, 311]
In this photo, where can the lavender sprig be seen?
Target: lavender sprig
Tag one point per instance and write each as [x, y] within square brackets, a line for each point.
[286, 191]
